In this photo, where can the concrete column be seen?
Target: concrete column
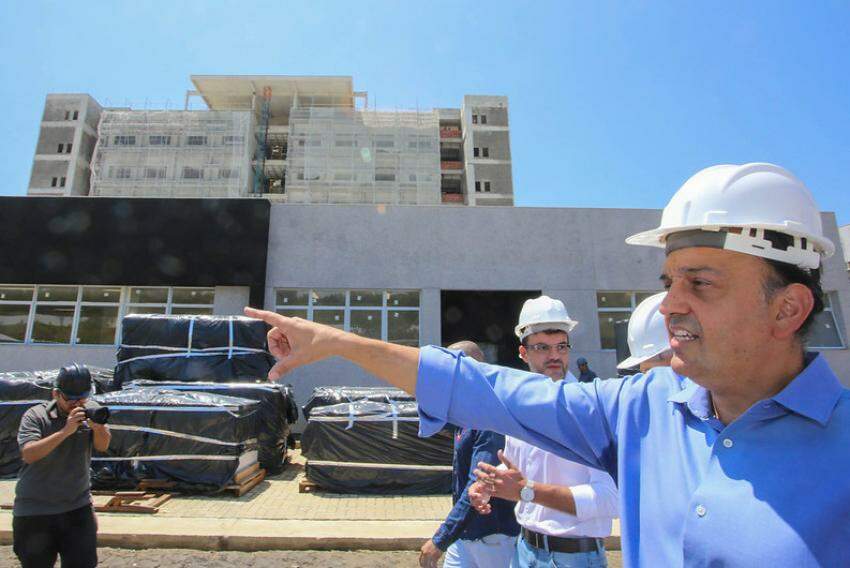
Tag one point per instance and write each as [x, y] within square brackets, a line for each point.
[430, 317]
[229, 300]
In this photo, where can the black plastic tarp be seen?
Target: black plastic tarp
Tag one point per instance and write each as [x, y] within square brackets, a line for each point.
[192, 348]
[11, 412]
[275, 412]
[198, 439]
[37, 385]
[374, 447]
[327, 396]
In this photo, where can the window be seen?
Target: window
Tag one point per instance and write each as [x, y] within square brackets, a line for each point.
[389, 315]
[15, 306]
[193, 173]
[61, 149]
[54, 182]
[228, 173]
[384, 176]
[76, 114]
[196, 141]
[62, 182]
[67, 115]
[483, 119]
[122, 173]
[476, 152]
[615, 307]
[478, 187]
[88, 314]
[159, 140]
[68, 148]
[383, 143]
[485, 152]
[486, 187]
[474, 119]
[824, 332]
[154, 173]
[232, 140]
[124, 140]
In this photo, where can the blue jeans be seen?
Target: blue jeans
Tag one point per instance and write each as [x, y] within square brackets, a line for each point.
[491, 551]
[527, 556]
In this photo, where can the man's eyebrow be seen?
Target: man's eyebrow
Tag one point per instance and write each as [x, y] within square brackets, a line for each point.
[692, 270]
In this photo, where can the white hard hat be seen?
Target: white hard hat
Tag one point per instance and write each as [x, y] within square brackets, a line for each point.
[647, 332]
[543, 314]
[748, 199]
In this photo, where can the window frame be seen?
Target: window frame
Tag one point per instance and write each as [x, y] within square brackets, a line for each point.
[123, 304]
[633, 303]
[827, 308]
[385, 308]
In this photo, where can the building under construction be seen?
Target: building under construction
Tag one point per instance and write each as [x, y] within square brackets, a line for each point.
[289, 139]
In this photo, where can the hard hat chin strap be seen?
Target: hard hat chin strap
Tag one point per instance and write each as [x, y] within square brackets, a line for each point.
[754, 241]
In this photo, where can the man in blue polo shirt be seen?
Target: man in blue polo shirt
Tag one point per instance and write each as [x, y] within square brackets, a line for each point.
[744, 463]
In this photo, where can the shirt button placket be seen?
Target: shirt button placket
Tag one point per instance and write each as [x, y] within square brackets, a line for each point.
[728, 443]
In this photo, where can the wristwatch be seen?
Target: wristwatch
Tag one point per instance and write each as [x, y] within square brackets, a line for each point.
[526, 494]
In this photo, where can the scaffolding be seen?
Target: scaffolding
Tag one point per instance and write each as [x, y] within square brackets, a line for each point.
[343, 155]
[160, 153]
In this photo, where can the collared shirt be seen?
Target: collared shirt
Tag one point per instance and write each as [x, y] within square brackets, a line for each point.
[770, 489]
[593, 490]
[464, 522]
[60, 481]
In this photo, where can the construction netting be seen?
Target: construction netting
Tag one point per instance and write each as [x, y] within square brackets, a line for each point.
[343, 155]
[161, 153]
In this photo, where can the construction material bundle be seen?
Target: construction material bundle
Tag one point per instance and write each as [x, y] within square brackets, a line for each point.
[276, 410]
[20, 390]
[373, 447]
[192, 348]
[197, 439]
[327, 396]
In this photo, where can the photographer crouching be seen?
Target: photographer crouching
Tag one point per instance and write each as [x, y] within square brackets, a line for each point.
[53, 512]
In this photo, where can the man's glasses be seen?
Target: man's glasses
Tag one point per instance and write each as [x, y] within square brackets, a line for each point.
[545, 348]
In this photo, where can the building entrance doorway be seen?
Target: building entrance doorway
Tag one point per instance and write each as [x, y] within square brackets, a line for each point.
[488, 318]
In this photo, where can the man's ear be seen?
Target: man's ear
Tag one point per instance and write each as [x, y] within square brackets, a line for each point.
[523, 353]
[792, 306]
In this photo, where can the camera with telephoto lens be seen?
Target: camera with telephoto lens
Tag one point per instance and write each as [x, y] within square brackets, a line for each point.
[100, 415]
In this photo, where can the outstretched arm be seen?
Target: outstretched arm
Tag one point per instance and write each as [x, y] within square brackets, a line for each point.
[295, 342]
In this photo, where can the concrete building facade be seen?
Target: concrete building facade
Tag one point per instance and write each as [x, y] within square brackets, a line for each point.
[288, 139]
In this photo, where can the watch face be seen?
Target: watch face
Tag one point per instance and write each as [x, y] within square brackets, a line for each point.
[526, 493]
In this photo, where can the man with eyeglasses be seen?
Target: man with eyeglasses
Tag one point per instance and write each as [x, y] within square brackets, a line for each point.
[53, 512]
[565, 509]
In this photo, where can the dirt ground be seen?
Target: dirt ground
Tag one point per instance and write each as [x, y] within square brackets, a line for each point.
[121, 558]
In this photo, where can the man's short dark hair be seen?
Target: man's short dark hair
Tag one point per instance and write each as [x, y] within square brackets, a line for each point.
[781, 274]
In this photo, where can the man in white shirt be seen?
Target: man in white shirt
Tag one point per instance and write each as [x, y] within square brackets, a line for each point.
[565, 509]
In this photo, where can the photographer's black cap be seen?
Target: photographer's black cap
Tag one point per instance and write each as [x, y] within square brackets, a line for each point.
[74, 381]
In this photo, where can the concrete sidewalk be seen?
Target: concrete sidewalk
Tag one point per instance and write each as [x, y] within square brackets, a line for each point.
[274, 516]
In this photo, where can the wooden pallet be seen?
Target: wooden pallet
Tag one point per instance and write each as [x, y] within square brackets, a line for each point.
[246, 484]
[129, 501]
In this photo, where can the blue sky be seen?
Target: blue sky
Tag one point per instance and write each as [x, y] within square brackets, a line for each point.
[612, 104]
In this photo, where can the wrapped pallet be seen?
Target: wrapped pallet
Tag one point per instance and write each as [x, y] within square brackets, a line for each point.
[276, 411]
[192, 348]
[374, 447]
[327, 396]
[198, 440]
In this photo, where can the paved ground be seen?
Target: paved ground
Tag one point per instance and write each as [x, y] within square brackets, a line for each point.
[284, 527]
[170, 558]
